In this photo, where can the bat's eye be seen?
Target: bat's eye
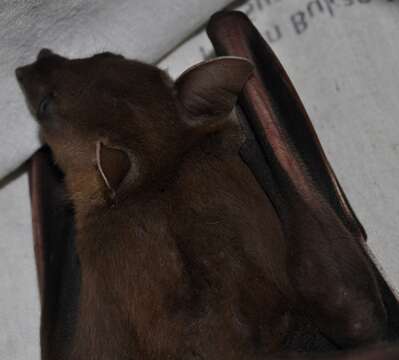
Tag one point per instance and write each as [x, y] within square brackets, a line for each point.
[44, 106]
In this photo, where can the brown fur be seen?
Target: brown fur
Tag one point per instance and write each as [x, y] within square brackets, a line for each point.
[182, 254]
[188, 261]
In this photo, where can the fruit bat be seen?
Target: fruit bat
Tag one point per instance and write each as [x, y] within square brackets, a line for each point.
[174, 224]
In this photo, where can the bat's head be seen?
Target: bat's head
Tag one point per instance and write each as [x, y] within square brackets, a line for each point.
[114, 124]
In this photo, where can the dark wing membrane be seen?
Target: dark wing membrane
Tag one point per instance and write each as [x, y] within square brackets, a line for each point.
[57, 263]
[340, 287]
[278, 117]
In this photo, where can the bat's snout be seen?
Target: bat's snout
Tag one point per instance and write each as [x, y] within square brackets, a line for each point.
[21, 72]
[31, 85]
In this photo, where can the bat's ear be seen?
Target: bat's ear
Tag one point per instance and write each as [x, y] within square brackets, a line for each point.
[208, 91]
[113, 165]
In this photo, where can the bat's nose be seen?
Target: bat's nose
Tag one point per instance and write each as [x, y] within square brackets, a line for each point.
[43, 53]
[23, 74]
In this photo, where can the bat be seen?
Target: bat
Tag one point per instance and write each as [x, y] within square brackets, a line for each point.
[184, 231]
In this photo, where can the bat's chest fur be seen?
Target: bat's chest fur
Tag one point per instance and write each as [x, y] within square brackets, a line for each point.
[188, 274]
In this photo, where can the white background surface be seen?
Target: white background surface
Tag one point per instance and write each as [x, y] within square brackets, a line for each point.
[345, 68]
